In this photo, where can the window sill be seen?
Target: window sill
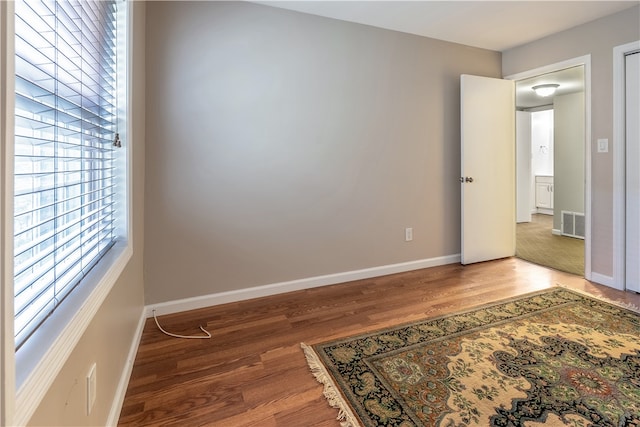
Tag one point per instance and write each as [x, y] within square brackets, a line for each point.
[43, 355]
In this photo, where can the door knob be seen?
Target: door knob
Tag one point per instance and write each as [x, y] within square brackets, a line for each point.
[468, 179]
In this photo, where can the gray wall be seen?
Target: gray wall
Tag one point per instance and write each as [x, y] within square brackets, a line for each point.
[568, 155]
[598, 39]
[283, 146]
[110, 334]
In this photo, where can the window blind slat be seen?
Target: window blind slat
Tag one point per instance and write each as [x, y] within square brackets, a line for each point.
[102, 146]
[65, 249]
[38, 53]
[29, 108]
[32, 93]
[65, 219]
[60, 173]
[39, 308]
[104, 202]
[71, 250]
[31, 184]
[42, 234]
[65, 124]
[27, 206]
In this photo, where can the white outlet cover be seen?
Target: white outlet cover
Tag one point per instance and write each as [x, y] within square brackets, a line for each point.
[91, 388]
[408, 234]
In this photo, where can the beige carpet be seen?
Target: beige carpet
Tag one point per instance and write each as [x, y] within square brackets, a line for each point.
[535, 243]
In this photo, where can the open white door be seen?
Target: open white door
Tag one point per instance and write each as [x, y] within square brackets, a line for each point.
[488, 169]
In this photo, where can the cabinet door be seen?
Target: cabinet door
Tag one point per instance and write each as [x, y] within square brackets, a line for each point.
[543, 195]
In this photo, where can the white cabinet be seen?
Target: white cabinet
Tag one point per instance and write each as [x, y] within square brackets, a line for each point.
[544, 192]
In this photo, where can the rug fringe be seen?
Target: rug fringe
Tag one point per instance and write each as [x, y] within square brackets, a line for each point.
[629, 306]
[331, 392]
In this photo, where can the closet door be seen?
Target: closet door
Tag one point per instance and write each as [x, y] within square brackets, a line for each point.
[632, 95]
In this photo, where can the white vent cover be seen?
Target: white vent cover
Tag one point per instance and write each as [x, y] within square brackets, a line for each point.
[573, 224]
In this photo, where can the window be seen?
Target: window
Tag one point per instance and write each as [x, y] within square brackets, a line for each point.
[66, 138]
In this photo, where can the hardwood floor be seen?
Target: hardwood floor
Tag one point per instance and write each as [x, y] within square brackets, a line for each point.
[253, 372]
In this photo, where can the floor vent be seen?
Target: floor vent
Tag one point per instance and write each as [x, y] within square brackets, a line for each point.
[573, 224]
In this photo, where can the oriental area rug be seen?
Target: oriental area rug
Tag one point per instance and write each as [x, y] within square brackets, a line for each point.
[552, 358]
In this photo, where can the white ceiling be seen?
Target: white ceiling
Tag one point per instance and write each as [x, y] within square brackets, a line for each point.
[494, 25]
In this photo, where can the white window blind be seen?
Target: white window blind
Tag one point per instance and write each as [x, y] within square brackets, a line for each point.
[65, 128]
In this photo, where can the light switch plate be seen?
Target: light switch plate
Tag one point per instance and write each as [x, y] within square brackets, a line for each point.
[603, 145]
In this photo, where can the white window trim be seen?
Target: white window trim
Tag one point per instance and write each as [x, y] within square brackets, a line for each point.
[7, 343]
[26, 378]
[42, 371]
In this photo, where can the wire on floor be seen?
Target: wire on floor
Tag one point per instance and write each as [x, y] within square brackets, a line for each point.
[182, 336]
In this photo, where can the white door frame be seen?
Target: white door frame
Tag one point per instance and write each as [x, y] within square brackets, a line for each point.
[586, 62]
[619, 175]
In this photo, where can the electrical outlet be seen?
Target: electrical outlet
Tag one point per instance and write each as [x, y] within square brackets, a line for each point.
[91, 388]
[408, 234]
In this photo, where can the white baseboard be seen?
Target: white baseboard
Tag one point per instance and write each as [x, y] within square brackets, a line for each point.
[121, 391]
[604, 280]
[194, 303]
[556, 232]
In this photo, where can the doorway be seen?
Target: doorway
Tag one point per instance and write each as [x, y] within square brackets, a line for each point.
[552, 194]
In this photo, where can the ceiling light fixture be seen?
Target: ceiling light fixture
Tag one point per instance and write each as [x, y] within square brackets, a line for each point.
[545, 90]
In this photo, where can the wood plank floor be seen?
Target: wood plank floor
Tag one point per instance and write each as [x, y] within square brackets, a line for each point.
[253, 372]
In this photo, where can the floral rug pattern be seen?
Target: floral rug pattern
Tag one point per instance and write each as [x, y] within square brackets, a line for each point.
[554, 358]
